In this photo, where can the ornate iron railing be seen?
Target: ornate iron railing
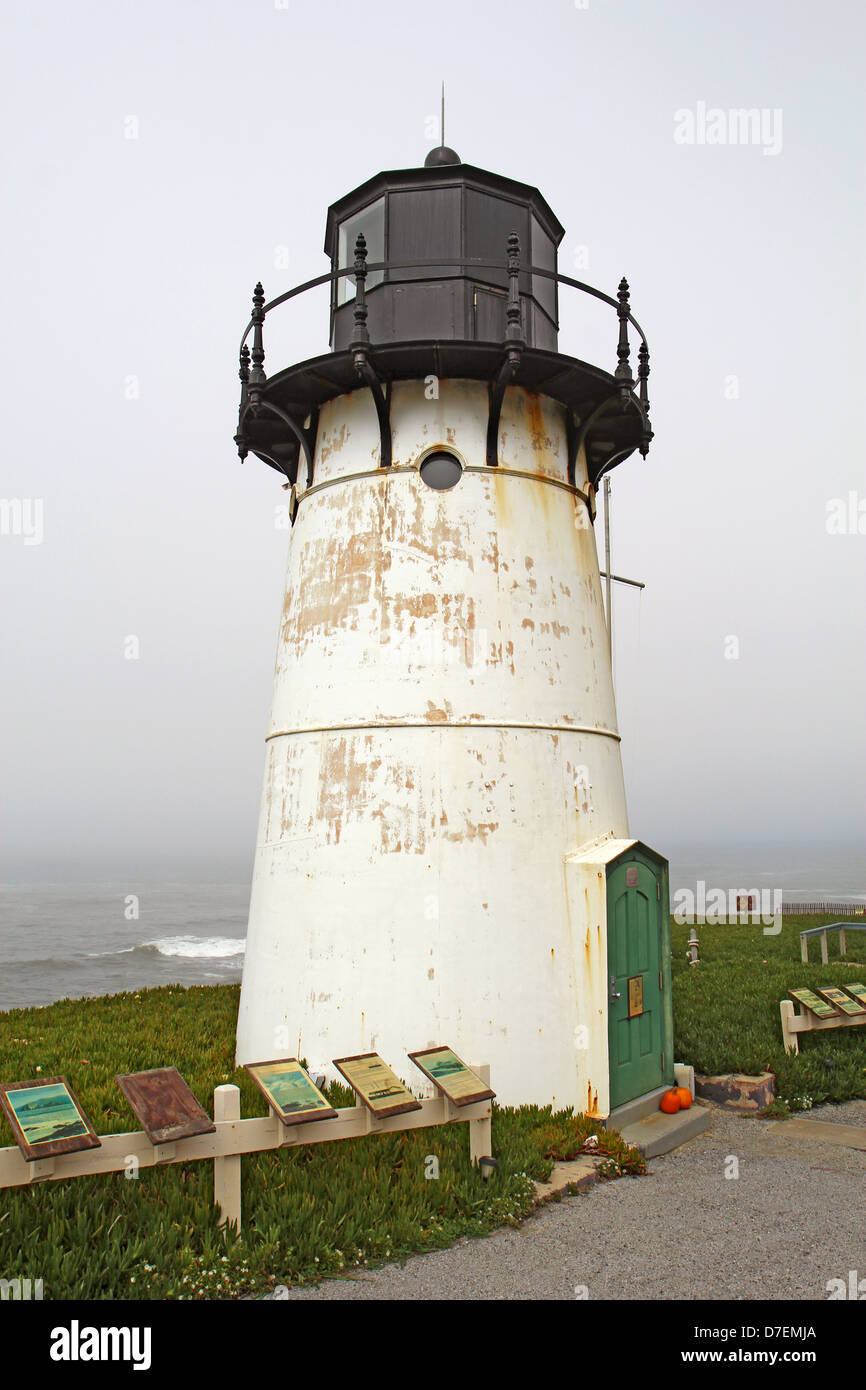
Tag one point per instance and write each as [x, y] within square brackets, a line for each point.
[631, 392]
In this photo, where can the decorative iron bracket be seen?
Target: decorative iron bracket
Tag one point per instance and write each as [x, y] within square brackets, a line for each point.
[571, 437]
[496, 395]
[306, 437]
[614, 460]
[382, 401]
[581, 435]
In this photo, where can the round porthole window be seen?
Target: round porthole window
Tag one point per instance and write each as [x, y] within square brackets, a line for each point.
[441, 470]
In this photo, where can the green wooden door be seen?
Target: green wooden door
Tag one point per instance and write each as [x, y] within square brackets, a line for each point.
[638, 958]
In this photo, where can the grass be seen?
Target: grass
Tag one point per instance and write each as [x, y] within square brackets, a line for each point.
[320, 1210]
[726, 1009]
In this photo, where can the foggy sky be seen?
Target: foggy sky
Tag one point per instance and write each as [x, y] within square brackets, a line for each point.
[158, 158]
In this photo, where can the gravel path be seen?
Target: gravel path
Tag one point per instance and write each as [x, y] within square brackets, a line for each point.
[794, 1218]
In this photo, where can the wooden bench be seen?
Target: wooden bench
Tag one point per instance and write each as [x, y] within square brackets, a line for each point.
[840, 927]
[830, 1007]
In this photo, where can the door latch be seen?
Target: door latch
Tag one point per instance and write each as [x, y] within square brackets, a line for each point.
[614, 992]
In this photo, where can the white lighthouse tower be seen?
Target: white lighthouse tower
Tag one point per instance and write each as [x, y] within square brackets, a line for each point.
[443, 850]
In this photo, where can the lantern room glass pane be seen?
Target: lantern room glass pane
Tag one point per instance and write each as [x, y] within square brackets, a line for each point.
[371, 221]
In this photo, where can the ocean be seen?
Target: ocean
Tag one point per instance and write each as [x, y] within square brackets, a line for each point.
[70, 940]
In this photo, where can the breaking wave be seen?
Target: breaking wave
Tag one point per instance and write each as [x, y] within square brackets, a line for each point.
[197, 947]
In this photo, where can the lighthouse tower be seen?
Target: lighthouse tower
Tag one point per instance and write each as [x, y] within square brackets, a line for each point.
[443, 851]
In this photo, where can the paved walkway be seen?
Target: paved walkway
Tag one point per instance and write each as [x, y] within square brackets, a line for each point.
[794, 1218]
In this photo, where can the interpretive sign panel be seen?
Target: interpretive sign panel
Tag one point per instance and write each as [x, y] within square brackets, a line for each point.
[289, 1091]
[45, 1118]
[819, 1007]
[375, 1085]
[452, 1077]
[841, 1000]
[164, 1105]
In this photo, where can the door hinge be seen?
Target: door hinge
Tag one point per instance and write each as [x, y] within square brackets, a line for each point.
[661, 981]
[658, 891]
[663, 1061]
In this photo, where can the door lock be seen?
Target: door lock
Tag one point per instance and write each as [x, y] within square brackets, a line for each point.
[614, 992]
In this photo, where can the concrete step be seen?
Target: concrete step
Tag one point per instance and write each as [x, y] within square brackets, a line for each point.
[575, 1175]
[657, 1133]
[634, 1110]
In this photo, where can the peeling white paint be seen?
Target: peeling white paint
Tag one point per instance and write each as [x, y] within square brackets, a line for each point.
[443, 731]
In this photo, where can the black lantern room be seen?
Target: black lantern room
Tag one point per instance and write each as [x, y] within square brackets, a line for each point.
[450, 270]
[464, 216]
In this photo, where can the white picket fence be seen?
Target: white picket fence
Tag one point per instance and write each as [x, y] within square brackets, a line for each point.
[234, 1137]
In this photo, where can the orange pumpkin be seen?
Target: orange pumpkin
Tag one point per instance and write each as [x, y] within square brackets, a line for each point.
[685, 1097]
[670, 1102]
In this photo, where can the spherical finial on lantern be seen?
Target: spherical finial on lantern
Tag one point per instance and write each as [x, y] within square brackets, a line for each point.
[441, 154]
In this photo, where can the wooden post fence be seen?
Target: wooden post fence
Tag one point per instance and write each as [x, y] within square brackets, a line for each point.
[233, 1137]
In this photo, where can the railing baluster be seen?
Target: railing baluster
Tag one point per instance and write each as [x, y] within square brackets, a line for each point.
[257, 375]
[362, 332]
[643, 373]
[623, 370]
[514, 324]
[244, 374]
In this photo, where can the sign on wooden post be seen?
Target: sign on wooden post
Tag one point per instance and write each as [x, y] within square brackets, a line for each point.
[457, 1082]
[45, 1118]
[375, 1085]
[819, 1007]
[164, 1105]
[289, 1091]
[841, 1001]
